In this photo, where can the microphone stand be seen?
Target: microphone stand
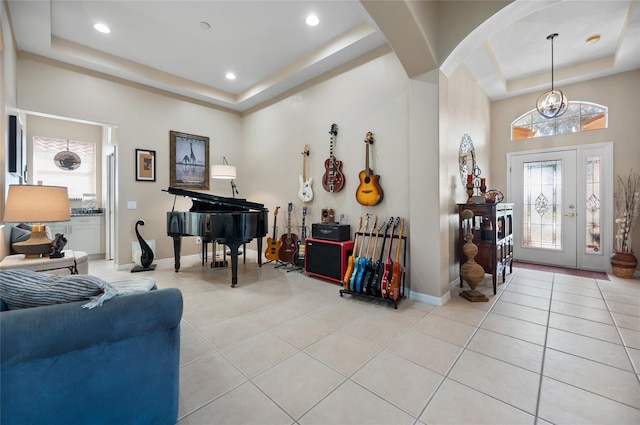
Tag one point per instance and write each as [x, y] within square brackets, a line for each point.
[234, 189]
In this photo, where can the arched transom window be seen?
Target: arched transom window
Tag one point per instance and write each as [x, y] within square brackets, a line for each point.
[580, 116]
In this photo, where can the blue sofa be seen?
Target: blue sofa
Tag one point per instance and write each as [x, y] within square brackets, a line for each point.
[114, 364]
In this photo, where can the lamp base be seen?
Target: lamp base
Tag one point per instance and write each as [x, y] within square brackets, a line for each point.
[38, 245]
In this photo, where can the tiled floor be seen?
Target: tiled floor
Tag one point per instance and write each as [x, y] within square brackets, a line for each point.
[284, 348]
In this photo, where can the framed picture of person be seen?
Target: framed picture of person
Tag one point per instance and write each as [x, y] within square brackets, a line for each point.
[145, 165]
[189, 161]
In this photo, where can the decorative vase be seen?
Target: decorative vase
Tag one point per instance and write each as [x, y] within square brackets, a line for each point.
[623, 264]
[472, 272]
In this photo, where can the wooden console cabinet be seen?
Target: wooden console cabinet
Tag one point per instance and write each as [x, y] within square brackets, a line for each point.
[492, 227]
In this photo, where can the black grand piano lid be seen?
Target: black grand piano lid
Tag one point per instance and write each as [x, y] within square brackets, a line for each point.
[206, 198]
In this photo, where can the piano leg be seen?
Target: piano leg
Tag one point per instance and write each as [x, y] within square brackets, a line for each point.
[177, 247]
[259, 252]
[234, 262]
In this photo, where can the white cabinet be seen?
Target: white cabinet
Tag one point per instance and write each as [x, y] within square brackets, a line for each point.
[84, 233]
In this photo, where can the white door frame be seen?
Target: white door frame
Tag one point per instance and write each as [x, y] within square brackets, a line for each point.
[585, 261]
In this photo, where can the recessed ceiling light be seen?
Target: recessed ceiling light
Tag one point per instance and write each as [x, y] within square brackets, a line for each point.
[312, 20]
[593, 39]
[230, 76]
[102, 28]
[205, 25]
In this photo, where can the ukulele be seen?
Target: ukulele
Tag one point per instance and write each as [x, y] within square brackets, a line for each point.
[364, 261]
[388, 266]
[333, 179]
[273, 243]
[358, 261]
[305, 193]
[298, 258]
[369, 192]
[352, 259]
[378, 268]
[369, 273]
[398, 270]
[289, 241]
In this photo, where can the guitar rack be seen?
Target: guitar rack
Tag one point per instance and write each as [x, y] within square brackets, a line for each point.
[404, 275]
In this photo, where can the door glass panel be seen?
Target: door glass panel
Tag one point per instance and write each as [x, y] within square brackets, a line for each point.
[592, 205]
[542, 221]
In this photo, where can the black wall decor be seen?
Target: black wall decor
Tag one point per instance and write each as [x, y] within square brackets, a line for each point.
[15, 159]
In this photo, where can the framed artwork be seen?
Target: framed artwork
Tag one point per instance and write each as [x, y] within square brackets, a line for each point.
[189, 161]
[145, 165]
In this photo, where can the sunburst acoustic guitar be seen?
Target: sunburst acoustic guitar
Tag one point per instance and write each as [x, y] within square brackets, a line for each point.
[273, 243]
[369, 192]
[289, 241]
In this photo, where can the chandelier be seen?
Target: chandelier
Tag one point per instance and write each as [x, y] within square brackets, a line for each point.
[552, 103]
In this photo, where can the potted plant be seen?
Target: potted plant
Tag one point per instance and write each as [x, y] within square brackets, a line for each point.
[627, 205]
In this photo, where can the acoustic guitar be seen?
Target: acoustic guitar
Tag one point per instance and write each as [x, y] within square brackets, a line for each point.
[388, 265]
[305, 193]
[273, 243]
[358, 261]
[369, 192]
[289, 240]
[351, 262]
[365, 262]
[333, 179]
[398, 270]
[367, 280]
[298, 258]
[378, 267]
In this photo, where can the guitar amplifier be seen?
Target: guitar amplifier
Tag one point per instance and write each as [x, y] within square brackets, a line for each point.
[326, 259]
[331, 231]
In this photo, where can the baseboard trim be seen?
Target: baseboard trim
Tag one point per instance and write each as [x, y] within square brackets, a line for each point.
[430, 299]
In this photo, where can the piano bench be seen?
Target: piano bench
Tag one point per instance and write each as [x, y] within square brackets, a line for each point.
[214, 263]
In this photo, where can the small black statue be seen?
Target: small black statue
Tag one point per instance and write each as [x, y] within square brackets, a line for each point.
[146, 257]
[58, 245]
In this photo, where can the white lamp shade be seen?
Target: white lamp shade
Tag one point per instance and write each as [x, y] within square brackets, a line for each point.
[223, 172]
[37, 204]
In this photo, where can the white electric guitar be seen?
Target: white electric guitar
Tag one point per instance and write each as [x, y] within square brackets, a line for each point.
[305, 193]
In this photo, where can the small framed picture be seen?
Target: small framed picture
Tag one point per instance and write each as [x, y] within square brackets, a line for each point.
[145, 165]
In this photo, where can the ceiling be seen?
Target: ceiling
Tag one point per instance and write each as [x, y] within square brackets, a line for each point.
[166, 44]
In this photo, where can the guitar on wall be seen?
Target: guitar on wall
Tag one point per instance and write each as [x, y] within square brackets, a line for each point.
[350, 264]
[273, 243]
[369, 273]
[378, 267]
[305, 193]
[333, 179]
[369, 192]
[364, 261]
[289, 240]
[358, 261]
[388, 266]
[298, 258]
[395, 284]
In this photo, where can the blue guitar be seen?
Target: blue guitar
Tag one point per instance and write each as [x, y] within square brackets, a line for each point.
[365, 262]
[358, 262]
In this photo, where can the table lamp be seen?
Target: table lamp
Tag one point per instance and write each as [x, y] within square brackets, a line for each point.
[36, 204]
[225, 171]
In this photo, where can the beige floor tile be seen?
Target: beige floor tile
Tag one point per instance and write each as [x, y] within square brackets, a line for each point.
[427, 351]
[375, 330]
[205, 316]
[515, 328]
[565, 404]
[584, 327]
[204, 380]
[298, 383]
[622, 298]
[595, 314]
[626, 321]
[303, 331]
[337, 315]
[580, 300]
[245, 405]
[525, 300]
[343, 352]
[445, 329]
[511, 350]
[258, 353]
[607, 381]
[399, 381]
[511, 384]
[532, 282]
[456, 404]
[521, 312]
[533, 274]
[462, 312]
[577, 290]
[630, 338]
[529, 290]
[351, 404]
[227, 332]
[634, 355]
[273, 315]
[589, 348]
[624, 308]
[579, 281]
[193, 346]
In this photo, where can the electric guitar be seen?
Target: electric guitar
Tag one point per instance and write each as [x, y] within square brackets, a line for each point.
[370, 271]
[289, 241]
[369, 192]
[305, 193]
[364, 261]
[358, 261]
[298, 258]
[398, 270]
[388, 265]
[273, 243]
[351, 262]
[333, 179]
[379, 266]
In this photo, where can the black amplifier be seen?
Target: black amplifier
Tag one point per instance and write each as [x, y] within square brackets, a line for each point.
[331, 231]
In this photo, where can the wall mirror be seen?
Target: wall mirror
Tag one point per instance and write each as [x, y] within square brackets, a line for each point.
[467, 159]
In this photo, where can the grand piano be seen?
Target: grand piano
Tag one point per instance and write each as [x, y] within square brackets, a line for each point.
[230, 221]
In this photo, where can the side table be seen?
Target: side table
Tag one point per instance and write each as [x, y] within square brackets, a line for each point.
[41, 264]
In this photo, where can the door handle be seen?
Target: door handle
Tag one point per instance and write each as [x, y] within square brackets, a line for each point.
[571, 214]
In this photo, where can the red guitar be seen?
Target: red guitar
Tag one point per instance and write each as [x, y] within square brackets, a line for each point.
[289, 241]
[398, 270]
[333, 179]
[369, 192]
[388, 266]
